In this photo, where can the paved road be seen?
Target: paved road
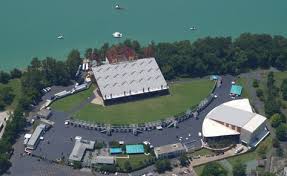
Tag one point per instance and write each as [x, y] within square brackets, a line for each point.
[60, 143]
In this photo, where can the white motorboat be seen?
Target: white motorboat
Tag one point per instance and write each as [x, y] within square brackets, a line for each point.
[60, 37]
[193, 28]
[117, 35]
[118, 7]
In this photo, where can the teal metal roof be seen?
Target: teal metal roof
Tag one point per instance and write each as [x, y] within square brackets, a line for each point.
[236, 89]
[134, 149]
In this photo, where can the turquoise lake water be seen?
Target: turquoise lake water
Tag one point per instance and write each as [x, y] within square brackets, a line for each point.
[30, 28]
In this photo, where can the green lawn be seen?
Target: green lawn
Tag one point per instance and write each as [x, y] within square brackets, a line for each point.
[68, 103]
[182, 96]
[136, 161]
[15, 84]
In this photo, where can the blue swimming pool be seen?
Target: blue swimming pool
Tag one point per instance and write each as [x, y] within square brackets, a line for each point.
[115, 150]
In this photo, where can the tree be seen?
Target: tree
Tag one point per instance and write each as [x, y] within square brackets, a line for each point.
[77, 165]
[284, 89]
[275, 143]
[128, 166]
[73, 62]
[162, 165]
[214, 169]
[4, 77]
[255, 83]
[6, 95]
[88, 53]
[108, 168]
[271, 106]
[261, 151]
[239, 169]
[276, 120]
[281, 132]
[15, 73]
[5, 164]
[259, 93]
[183, 160]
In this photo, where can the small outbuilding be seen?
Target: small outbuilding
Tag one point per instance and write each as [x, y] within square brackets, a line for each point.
[80, 148]
[35, 137]
[236, 90]
[169, 151]
[103, 160]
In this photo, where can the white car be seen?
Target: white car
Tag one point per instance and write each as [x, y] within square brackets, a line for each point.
[146, 142]
[233, 82]
[159, 127]
[199, 134]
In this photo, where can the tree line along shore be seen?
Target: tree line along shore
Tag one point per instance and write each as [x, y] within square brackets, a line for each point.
[218, 55]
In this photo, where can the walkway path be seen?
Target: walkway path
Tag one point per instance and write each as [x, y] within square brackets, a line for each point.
[204, 159]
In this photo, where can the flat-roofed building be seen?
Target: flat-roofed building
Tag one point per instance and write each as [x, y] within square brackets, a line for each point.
[34, 140]
[169, 151]
[103, 160]
[126, 79]
[235, 119]
[80, 147]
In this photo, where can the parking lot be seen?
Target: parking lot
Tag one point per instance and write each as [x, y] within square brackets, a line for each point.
[59, 140]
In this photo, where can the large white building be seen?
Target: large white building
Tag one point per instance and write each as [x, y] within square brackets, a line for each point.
[235, 118]
[130, 78]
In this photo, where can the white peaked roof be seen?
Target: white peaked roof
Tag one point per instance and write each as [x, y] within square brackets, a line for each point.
[242, 104]
[237, 113]
[129, 78]
[211, 128]
[254, 123]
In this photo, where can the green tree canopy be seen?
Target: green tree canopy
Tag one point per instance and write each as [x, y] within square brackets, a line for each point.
[281, 132]
[15, 73]
[284, 89]
[73, 61]
[214, 169]
[276, 120]
[4, 77]
[239, 169]
[6, 95]
[162, 165]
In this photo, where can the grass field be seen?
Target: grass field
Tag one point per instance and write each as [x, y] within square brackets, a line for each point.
[15, 84]
[182, 96]
[68, 103]
[136, 161]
